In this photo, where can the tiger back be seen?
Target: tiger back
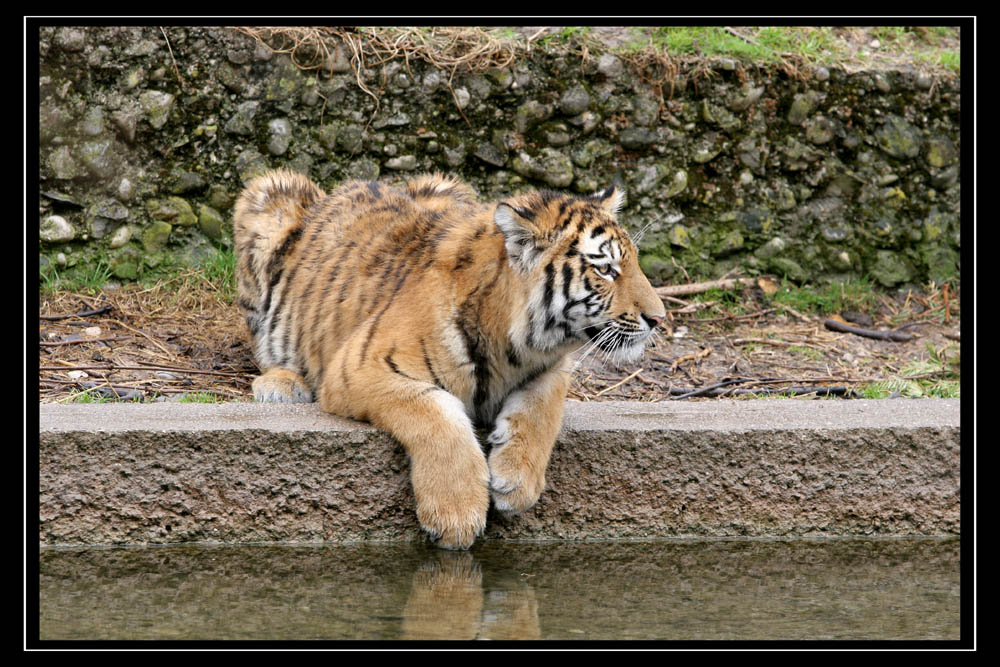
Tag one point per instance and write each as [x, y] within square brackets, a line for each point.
[433, 315]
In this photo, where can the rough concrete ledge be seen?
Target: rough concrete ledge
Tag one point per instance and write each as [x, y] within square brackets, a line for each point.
[246, 472]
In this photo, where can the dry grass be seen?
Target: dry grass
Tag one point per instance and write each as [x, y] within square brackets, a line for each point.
[189, 339]
[181, 338]
[450, 49]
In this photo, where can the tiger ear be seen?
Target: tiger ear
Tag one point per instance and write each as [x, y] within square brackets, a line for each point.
[521, 237]
[611, 199]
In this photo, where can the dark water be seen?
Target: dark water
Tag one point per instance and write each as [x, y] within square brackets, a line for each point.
[828, 589]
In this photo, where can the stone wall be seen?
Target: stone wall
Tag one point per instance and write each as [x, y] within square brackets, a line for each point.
[143, 149]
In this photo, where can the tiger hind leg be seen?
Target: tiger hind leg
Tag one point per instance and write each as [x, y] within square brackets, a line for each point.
[280, 385]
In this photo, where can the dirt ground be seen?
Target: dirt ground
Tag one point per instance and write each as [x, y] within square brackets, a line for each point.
[164, 343]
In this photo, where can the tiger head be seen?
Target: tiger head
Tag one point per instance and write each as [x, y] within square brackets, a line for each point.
[583, 273]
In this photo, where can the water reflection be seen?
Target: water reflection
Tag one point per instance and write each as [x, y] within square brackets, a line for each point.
[715, 589]
[447, 601]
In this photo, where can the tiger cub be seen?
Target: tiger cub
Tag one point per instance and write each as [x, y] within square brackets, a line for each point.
[432, 315]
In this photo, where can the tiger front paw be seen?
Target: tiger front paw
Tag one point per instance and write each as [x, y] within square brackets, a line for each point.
[516, 481]
[451, 506]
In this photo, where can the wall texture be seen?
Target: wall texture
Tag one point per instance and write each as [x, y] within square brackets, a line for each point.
[144, 147]
[120, 473]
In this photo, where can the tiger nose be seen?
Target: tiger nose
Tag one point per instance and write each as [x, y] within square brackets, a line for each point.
[652, 320]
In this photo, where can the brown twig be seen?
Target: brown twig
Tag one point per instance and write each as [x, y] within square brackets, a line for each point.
[697, 288]
[772, 341]
[168, 369]
[176, 71]
[947, 312]
[897, 336]
[82, 313]
[727, 318]
[74, 342]
[618, 384]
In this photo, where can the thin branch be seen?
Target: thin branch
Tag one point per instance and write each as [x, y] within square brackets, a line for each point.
[82, 313]
[176, 71]
[897, 336]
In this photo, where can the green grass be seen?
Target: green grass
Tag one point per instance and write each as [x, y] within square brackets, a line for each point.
[90, 280]
[858, 295]
[936, 377]
[85, 396]
[567, 34]
[218, 271]
[812, 45]
[200, 397]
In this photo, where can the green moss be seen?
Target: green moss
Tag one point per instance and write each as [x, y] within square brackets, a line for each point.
[154, 237]
[211, 222]
[124, 262]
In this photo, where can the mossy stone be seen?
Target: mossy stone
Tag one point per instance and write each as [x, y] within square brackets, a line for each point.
[155, 237]
[678, 183]
[157, 106]
[574, 100]
[802, 105]
[174, 209]
[250, 164]
[242, 120]
[220, 198]
[55, 229]
[941, 262]
[788, 268]
[940, 151]
[637, 138]
[680, 236]
[890, 269]
[550, 166]
[125, 262]
[898, 138]
[529, 114]
[731, 242]
[210, 221]
[656, 267]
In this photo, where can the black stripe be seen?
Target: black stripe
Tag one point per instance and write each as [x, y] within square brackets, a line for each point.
[481, 372]
[395, 368]
[378, 317]
[430, 367]
[550, 274]
[597, 231]
[286, 245]
[335, 271]
[463, 259]
[512, 357]
[567, 276]
[525, 213]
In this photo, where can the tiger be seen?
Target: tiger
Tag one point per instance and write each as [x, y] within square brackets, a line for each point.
[440, 319]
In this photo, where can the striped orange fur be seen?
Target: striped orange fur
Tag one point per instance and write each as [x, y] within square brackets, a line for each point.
[434, 315]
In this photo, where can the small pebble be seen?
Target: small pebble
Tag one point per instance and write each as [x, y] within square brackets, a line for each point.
[93, 332]
[76, 375]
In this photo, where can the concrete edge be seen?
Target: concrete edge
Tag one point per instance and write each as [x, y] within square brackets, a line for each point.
[246, 472]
